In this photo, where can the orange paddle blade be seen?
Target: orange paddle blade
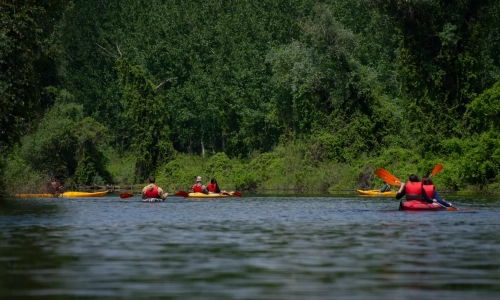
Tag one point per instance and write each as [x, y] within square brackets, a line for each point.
[182, 194]
[437, 169]
[225, 194]
[126, 195]
[238, 194]
[388, 177]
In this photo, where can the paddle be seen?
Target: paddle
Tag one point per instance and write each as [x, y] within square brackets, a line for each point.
[388, 177]
[238, 194]
[182, 194]
[436, 170]
[126, 195]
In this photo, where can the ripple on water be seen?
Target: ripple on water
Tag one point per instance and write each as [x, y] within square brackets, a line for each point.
[248, 248]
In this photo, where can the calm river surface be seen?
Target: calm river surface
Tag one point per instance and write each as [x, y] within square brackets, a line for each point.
[255, 247]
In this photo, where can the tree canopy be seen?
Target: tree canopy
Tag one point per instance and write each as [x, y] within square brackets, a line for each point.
[351, 79]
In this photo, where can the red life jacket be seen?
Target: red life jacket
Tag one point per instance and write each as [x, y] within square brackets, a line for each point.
[429, 190]
[153, 193]
[212, 187]
[197, 189]
[414, 190]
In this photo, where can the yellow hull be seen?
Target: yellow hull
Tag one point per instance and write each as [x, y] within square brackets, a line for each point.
[209, 195]
[376, 193]
[83, 194]
[35, 196]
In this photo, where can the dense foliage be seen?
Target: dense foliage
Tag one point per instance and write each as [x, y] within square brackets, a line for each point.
[263, 94]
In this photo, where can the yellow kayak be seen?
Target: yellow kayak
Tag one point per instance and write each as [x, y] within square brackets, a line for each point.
[36, 195]
[209, 195]
[377, 193]
[83, 194]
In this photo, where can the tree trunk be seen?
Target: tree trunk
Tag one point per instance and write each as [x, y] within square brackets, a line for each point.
[202, 149]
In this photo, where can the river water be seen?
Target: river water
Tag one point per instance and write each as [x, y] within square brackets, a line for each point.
[255, 247]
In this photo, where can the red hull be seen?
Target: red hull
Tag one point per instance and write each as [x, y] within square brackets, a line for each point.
[419, 205]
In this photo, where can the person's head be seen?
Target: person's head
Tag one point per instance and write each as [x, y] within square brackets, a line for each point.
[213, 181]
[151, 179]
[198, 179]
[427, 181]
[413, 178]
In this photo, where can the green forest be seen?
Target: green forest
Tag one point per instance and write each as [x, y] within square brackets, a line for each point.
[294, 95]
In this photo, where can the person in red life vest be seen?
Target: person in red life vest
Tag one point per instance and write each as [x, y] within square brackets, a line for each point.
[414, 190]
[198, 187]
[153, 191]
[432, 193]
[213, 187]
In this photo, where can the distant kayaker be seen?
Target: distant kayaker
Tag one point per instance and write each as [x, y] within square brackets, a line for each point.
[413, 190]
[54, 188]
[213, 187]
[385, 188]
[198, 187]
[431, 191]
[153, 191]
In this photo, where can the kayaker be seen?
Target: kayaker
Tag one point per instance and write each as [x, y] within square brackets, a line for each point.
[385, 188]
[153, 191]
[54, 188]
[198, 187]
[213, 187]
[432, 193]
[413, 190]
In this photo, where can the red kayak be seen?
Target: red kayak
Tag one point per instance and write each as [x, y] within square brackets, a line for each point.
[420, 205]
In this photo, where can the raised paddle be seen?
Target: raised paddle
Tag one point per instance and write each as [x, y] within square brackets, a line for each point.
[437, 169]
[182, 194]
[388, 177]
[126, 195]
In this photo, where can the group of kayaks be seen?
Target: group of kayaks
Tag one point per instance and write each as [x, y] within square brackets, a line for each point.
[126, 195]
[187, 195]
[408, 205]
[411, 205]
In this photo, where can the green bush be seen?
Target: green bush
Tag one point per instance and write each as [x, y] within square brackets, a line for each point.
[18, 177]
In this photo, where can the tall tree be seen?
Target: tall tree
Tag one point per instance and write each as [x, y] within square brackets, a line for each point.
[442, 62]
[27, 63]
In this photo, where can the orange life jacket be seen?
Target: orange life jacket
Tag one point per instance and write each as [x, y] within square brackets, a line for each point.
[212, 187]
[429, 190]
[153, 193]
[414, 191]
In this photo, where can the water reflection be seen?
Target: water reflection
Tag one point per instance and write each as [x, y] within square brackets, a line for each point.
[247, 248]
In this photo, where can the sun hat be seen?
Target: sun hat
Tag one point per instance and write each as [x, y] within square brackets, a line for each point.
[198, 178]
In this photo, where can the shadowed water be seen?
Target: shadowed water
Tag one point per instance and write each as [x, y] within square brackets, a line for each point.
[248, 248]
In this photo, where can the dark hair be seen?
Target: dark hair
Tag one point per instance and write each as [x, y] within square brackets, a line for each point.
[413, 178]
[427, 181]
[213, 181]
[151, 179]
